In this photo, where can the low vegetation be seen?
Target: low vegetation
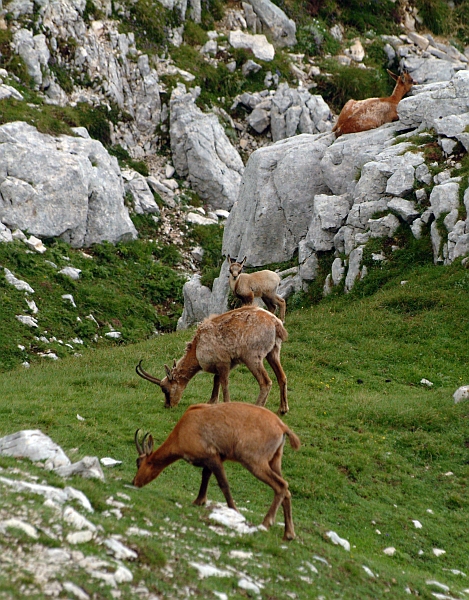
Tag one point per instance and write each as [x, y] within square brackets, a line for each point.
[379, 451]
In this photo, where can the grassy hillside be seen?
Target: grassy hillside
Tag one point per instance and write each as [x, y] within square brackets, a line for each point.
[379, 450]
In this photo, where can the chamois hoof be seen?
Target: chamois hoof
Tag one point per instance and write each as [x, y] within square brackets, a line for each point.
[199, 501]
[288, 537]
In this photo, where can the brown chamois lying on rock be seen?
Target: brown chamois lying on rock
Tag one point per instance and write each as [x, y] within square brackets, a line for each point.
[261, 284]
[362, 115]
[207, 435]
[245, 335]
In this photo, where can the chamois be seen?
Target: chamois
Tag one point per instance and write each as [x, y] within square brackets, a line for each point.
[245, 335]
[207, 435]
[261, 284]
[362, 115]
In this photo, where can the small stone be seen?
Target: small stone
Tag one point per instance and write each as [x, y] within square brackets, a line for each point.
[438, 551]
[35, 244]
[70, 299]
[335, 539]
[426, 382]
[110, 462]
[27, 320]
[71, 272]
[389, 551]
[113, 334]
[80, 537]
[461, 394]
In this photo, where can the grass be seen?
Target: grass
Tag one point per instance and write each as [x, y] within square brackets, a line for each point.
[377, 447]
[133, 287]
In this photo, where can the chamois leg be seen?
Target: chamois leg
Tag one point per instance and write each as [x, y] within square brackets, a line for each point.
[282, 307]
[273, 358]
[247, 298]
[266, 474]
[276, 465]
[224, 374]
[270, 305]
[215, 465]
[258, 370]
[215, 390]
[202, 497]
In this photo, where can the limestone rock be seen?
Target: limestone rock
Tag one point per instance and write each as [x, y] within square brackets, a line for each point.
[35, 445]
[258, 44]
[461, 394]
[196, 303]
[37, 168]
[432, 102]
[281, 28]
[89, 467]
[268, 220]
[404, 209]
[203, 153]
[137, 186]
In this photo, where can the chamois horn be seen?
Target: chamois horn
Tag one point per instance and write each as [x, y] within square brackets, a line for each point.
[137, 443]
[145, 375]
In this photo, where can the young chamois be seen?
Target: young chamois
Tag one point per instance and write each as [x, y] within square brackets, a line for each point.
[361, 115]
[245, 335]
[207, 435]
[261, 284]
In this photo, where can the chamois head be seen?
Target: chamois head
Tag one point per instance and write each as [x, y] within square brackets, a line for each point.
[171, 388]
[145, 449]
[404, 80]
[235, 266]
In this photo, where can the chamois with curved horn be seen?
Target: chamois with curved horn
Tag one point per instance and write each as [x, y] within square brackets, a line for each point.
[261, 284]
[362, 115]
[245, 335]
[207, 435]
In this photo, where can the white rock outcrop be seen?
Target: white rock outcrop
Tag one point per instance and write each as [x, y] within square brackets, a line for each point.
[67, 187]
[203, 153]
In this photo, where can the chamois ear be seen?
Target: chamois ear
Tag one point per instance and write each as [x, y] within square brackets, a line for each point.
[174, 363]
[393, 75]
[243, 261]
[168, 372]
[230, 260]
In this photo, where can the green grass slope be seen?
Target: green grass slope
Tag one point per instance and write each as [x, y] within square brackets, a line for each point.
[379, 450]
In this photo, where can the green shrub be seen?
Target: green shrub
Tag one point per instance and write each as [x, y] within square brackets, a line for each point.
[351, 82]
[436, 15]
[210, 238]
[194, 34]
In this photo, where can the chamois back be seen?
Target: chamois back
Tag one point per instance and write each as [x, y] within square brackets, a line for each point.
[260, 284]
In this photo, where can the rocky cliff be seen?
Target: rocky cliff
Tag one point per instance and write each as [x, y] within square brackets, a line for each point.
[232, 108]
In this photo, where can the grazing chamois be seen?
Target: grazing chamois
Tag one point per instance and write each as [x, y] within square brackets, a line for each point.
[207, 435]
[362, 115]
[261, 284]
[245, 335]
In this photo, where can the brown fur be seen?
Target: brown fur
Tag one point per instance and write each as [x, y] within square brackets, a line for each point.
[261, 284]
[207, 435]
[245, 335]
[362, 115]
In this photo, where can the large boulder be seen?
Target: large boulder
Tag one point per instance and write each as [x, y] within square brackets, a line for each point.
[277, 194]
[429, 103]
[202, 152]
[67, 187]
[344, 159]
